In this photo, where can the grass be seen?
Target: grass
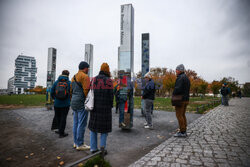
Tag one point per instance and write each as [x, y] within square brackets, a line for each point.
[24, 100]
[160, 103]
[96, 161]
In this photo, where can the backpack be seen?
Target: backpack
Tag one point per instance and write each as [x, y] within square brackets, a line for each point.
[62, 92]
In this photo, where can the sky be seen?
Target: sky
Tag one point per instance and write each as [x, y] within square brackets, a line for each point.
[211, 37]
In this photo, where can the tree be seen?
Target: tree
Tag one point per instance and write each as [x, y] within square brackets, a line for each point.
[202, 88]
[246, 89]
[215, 87]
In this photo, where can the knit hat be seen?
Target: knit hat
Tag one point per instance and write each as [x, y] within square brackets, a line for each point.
[180, 67]
[105, 68]
[83, 65]
[148, 75]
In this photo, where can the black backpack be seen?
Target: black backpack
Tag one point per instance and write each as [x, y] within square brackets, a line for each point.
[62, 92]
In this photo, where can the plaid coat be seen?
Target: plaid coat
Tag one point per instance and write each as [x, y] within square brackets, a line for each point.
[101, 116]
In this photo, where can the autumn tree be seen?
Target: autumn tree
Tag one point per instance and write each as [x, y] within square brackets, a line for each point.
[215, 87]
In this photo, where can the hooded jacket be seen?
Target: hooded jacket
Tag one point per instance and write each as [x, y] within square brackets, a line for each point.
[61, 103]
[182, 86]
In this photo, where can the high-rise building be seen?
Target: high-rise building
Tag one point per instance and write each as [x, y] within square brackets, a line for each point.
[11, 87]
[88, 57]
[126, 55]
[25, 73]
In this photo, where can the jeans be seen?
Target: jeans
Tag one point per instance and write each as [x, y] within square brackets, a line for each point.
[181, 117]
[224, 100]
[148, 111]
[121, 112]
[79, 126]
[93, 140]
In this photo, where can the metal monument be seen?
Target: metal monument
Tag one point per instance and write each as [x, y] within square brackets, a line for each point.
[51, 75]
[144, 62]
[126, 65]
[88, 57]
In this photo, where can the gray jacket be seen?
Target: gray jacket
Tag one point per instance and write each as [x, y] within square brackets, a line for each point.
[78, 97]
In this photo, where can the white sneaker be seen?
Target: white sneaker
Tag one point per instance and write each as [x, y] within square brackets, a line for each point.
[145, 124]
[148, 127]
[83, 147]
[74, 145]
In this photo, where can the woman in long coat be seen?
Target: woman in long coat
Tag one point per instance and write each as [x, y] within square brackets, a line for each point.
[101, 116]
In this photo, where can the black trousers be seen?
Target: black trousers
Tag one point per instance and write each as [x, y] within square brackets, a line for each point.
[61, 117]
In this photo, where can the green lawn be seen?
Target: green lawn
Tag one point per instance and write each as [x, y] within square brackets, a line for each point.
[26, 100]
[160, 103]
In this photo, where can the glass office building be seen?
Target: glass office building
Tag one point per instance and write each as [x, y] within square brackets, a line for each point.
[25, 73]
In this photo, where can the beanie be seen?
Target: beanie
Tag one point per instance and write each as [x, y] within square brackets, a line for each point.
[180, 67]
[83, 65]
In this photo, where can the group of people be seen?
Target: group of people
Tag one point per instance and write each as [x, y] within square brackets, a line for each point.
[182, 87]
[72, 94]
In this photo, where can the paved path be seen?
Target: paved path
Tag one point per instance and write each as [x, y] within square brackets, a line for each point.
[219, 138]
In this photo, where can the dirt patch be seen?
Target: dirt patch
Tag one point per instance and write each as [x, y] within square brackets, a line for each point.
[26, 132]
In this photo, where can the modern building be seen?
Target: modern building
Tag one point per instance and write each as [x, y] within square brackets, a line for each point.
[3, 91]
[88, 57]
[126, 55]
[11, 87]
[25, 73]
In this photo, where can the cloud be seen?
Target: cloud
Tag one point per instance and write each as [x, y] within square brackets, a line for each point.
[210, 36]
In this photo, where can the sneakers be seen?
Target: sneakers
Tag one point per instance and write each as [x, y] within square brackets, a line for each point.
[122, 125]
[74, 145]
[83, 147]
[148, 127]
[180, 134]
[145, 124]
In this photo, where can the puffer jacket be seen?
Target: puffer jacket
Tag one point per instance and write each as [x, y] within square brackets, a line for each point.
[79, 93]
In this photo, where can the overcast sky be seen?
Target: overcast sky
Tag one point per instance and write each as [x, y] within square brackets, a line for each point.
[211, 37]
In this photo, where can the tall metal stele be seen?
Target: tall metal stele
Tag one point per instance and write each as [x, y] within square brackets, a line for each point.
[51, 76]
[144, 62]
[88, 57]
[126, 63]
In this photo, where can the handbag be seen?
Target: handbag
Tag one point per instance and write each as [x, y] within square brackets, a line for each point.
[89, 101]
[176, 100]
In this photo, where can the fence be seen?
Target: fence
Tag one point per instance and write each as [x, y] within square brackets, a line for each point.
[203, 107]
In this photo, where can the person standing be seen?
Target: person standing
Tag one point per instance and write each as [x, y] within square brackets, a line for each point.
[148, 96]
[224, 94]
[101, 116]
[79, 89]
[60, 92]
[182, 87]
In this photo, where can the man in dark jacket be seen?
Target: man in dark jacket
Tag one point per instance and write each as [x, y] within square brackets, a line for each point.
[182, 87]
[62, 102]
[148, 96]
[101, 117]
